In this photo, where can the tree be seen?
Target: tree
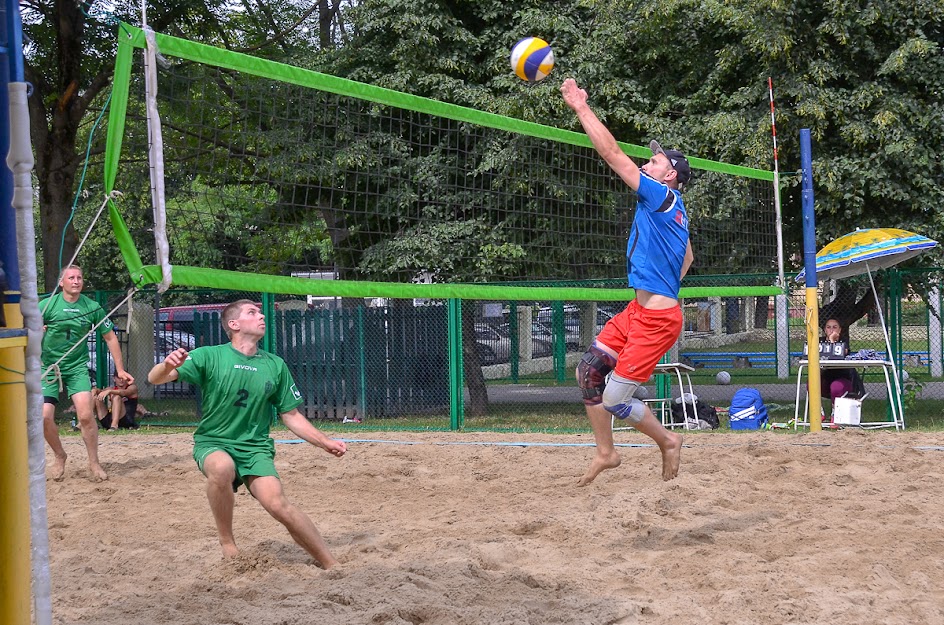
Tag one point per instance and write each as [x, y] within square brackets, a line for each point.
[866, 78]
[69, 60]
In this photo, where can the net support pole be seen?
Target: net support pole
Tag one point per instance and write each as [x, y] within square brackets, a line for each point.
[454, 327]
[20, 161]
[936, 363]
[14, 463]
[156, 161]
[809, 261]
[781, 305]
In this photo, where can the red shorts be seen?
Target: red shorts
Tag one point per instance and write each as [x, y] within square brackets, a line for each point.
[641, 337]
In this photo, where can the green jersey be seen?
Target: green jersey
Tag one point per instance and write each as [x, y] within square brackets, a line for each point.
[239, 393]
[66, 323]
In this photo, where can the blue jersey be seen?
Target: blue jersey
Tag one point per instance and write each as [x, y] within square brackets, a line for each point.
[658, 240]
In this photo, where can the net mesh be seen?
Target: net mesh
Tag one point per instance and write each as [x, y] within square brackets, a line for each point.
[269, 177]
[515, 232]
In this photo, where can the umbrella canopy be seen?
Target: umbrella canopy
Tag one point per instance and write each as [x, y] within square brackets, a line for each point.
[867, 250]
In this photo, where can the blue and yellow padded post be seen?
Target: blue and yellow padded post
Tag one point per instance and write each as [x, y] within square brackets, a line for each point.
[812, 301]
[15, 538]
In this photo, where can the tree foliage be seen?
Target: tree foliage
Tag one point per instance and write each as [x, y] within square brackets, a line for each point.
[865, 76]
[69, 60]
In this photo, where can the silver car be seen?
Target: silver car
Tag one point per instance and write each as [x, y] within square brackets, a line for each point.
[493, 343]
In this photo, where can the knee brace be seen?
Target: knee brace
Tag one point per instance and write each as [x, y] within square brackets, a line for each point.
[592, 370]
[618, 399]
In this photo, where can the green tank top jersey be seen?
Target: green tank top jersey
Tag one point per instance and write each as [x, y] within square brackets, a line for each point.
[66, 323]
[239, 394]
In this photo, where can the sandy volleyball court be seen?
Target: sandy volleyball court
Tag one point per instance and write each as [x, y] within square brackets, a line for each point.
[840, 527]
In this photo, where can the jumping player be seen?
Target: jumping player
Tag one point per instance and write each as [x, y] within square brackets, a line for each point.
[659, 254]
[241, 385]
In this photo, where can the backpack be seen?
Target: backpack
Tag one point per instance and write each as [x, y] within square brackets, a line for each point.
[700, 411]
[747, 411]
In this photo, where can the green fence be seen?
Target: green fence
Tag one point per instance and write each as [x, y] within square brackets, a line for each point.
[496, 365]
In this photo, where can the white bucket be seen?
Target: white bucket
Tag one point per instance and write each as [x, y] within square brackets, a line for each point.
[847, 411]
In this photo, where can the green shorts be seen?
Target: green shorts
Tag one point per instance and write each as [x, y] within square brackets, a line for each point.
[75, 380]
[255, 463]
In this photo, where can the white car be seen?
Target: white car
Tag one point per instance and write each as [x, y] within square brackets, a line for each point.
[166, 342]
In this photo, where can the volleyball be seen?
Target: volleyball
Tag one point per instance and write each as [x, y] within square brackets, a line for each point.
[532, 59]
[723, 378]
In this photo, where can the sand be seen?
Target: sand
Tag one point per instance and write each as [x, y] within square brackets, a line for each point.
[760, 527]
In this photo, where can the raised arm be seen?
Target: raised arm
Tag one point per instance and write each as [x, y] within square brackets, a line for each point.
[166, 371]
[302, 427]
[602, 139]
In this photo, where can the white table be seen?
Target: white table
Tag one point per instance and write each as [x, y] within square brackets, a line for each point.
[665, 409]
[894, 393]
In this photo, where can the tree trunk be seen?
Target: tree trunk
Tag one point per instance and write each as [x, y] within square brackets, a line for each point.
[54, 131]
[474, 380]
[326, 15]
[761, 312]
[55, 203]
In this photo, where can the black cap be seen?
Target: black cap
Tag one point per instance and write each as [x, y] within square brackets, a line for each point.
[676, 159]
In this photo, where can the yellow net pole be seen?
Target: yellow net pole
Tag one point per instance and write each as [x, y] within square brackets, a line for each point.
[14, 475]
[812, 350]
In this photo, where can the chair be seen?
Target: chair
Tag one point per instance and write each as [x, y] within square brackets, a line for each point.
[664, 403]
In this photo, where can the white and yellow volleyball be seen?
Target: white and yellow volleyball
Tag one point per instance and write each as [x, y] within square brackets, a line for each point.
[532, 59]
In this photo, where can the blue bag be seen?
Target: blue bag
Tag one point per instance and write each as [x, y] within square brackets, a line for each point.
[747, 411]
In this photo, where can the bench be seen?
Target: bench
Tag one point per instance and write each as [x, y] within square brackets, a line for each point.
[731, 360]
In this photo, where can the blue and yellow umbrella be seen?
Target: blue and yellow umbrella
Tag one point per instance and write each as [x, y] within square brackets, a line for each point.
[867, 250]
[864, 251]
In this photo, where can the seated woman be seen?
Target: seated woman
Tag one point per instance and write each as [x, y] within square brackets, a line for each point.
[837, 382]
[117, 405]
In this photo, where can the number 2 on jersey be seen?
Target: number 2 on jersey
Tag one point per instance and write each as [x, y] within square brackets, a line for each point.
[242, 395]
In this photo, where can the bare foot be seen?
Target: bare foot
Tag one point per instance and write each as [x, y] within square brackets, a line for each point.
[599, 464]
[97, 473]
[230, 550]
[671, 457]
[59, 467]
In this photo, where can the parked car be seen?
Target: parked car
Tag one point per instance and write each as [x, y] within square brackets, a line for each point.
[493, 346]
[572, 319]
[93, 357]
[493, 343]
[167, 341]
[572, 340]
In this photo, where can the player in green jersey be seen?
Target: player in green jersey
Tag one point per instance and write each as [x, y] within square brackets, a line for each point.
[241, 385]
[67, 317]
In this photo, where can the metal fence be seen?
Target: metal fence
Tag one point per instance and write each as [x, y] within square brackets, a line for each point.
[496, 365]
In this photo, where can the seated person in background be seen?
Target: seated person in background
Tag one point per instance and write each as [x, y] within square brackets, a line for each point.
[837, 382]
[121, 401]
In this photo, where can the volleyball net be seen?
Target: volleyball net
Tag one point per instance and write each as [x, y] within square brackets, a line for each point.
[311, 191]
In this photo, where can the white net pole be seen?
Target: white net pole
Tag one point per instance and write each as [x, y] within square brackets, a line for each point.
[20, 161]
[781, 304]
[156, 160]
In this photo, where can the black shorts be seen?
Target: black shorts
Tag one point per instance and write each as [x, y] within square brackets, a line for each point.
[128, 421]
